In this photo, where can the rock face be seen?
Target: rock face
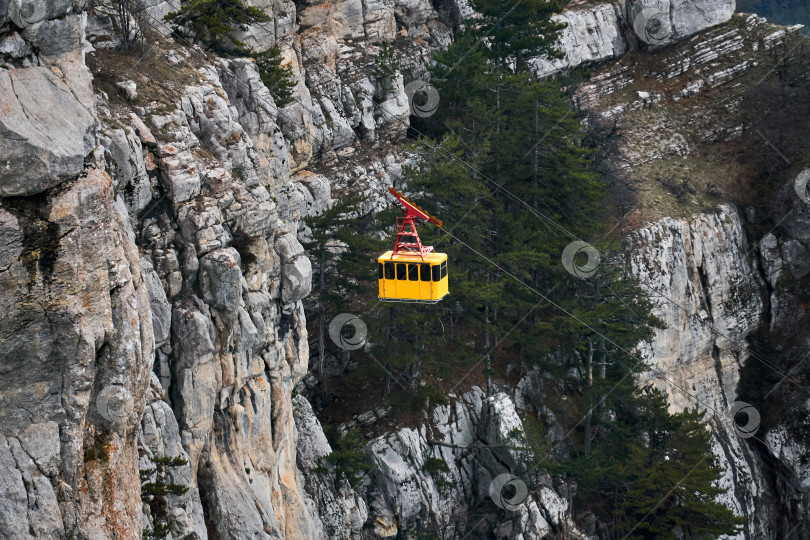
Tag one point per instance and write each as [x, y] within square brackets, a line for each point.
[59, 370]
[341, 512]
[607, 30]
[590, 35]
[406, 493]
[152, 278]
[704, 280]
[77, 339]
[716, 291]
[238, 338]
[41, 150]
[700, 276]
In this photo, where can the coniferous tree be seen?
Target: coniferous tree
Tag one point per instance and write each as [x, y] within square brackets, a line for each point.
[519, 29]
[214, 23]
[277, 78]
[342, 261]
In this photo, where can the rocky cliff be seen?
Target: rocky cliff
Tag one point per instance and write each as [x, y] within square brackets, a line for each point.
[153, 330]
[152, 276]
[695, 139]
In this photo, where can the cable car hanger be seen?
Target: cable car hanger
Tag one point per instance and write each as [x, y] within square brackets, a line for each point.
[412, 212]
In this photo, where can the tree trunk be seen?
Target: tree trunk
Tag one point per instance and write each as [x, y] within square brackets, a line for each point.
[387, 383]
[321, 326]
[589, 415]
[486, 348]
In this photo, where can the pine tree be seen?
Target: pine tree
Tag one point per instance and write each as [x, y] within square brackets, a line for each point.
[671, 484]
[214, 23]
[277, 78]
[156, 487]
[652, 474]
[536, 189]
[343, 264]
[519, 29]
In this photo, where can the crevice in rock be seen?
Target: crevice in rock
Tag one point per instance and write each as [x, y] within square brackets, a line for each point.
[722, 439]
[704, 290]
[718, 366]
[767, 311]
[205, 497]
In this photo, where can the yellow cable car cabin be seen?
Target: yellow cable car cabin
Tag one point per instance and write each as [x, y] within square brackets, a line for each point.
[412, 272]
[406, 277]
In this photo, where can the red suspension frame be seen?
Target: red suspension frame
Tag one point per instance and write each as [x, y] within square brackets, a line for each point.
[408, 241]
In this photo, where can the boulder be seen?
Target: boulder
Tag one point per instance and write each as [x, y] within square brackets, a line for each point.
[53, 38]
[296, 269]
[220, 278]
[590, 35]
[40, 149]
[161, 309]
[128, 89]
[661, 22]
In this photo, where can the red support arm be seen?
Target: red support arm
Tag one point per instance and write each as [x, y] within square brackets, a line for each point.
[413, 211]
[408, 241]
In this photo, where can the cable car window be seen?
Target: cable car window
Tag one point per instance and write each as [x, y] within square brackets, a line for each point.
[389, 270]
[444, 269]
[437, 272]
[425, 270]
[379, 271]
[401, 271]
[413, 272]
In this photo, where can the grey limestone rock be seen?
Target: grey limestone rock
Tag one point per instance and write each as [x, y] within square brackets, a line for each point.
[296, 270]
[45, 132]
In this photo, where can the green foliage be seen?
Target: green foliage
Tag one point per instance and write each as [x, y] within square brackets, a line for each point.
[160, 530]
[438, 469]
[156, 487]
[414, 400]
[510, 172]
[385, 67]
[214, 23]
[175, 461]
[518, 29]
[341, 257]
[277, 78]
[414, 530]
[343, 264]
[434, 466]
[348, 459]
